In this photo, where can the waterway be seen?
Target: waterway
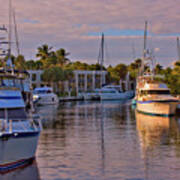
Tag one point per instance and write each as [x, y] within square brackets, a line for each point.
[104, 141]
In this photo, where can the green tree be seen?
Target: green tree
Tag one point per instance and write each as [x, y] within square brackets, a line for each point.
[44, 52]
[20, 62]
[53, 76]
[61, 57]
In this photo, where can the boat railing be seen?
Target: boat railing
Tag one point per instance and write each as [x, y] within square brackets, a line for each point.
[15, 125]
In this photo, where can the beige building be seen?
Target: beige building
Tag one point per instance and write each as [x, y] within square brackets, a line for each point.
[83, 80]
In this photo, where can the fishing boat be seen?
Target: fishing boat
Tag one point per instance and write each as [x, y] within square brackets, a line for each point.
[154, 98]
[152, 95]
[45, 96]
[19, 131]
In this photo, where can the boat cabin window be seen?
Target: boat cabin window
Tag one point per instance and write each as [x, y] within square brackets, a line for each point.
[13, 113]
[7, 82]
[108, 91]
[164, 92]
[43, 92]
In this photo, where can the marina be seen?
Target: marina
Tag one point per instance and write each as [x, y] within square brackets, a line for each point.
[89, 94]
[104, 140]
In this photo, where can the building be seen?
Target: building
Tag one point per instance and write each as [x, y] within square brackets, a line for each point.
[83, 80]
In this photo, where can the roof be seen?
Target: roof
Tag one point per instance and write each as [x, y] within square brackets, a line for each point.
[45, 88]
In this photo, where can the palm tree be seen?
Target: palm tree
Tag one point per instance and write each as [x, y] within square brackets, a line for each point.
[61, 56]
[44, 52]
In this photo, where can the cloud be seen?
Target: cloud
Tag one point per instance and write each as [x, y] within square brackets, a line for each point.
[67, 23]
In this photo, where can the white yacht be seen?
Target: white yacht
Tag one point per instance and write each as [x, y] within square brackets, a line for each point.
[19, 132]
[45, 96]
[113, 92]
[154, 98]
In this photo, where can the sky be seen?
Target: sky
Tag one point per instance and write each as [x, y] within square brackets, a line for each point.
[76, 25]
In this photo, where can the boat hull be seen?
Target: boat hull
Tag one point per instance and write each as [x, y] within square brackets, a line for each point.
[117, 96]
[17, 149]
[47, 100]
[157, 108]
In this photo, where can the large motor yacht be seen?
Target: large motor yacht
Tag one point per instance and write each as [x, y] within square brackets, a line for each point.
[19, 132]
[154, 98]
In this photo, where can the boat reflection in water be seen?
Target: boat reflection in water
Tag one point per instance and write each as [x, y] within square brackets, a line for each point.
[30, 172]
[152, 130]
[156, 133]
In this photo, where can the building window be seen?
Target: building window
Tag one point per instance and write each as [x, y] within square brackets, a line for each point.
[33, 77]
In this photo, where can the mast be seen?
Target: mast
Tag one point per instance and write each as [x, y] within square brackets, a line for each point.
[145, 40]
[178, 48]
[10, 22]
[9, 63]
[101, 52]
[16, 33]
[101, 57]
[144, 49]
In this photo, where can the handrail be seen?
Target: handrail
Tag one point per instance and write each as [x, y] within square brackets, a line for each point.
[7, 125]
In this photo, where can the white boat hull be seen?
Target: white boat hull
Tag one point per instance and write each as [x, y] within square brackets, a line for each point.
[48, 100]
[90, 96]
[16, 149]
[116, 96]
[157, 108]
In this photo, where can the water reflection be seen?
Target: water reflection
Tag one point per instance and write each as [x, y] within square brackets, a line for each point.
[156, 136]
[153, 130]
[29, 172]
[106, 140]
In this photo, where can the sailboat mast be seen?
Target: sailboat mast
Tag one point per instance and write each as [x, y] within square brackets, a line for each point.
[178, 48]
[10, 28]
[102, 51]
[16, 33]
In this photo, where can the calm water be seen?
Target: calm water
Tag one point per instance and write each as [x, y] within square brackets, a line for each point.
[104, 141]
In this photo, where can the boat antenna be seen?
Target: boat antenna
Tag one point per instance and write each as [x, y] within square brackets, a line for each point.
[144, 49]
[178, 48]
[16, 33]
[145, 40]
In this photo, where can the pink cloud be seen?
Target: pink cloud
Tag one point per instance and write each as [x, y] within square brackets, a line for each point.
[66, 23]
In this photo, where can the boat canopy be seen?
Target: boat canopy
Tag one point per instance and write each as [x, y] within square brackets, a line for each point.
[42, 90]
[13, 113]
[11, 99]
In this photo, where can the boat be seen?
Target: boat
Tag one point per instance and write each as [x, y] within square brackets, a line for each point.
[154, 98]
[19, 131]
[45, 96]
[113, 92]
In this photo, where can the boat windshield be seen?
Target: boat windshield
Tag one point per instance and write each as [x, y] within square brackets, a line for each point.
[164, 92]
[7, 82]
[42, 91]
[14, 113]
